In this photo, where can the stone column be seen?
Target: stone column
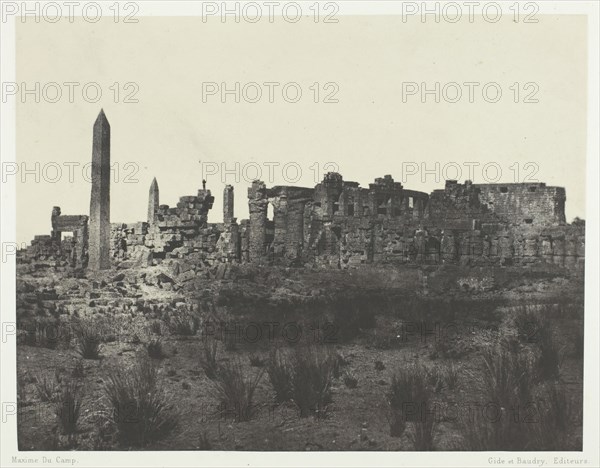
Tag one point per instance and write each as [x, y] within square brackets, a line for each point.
[257, 205]
[99, 232]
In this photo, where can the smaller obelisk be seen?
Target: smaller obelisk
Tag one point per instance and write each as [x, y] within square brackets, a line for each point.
[153, 201]
[99, 232]
[228, 204]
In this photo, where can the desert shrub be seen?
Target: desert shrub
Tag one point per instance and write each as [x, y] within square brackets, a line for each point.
[422, 432]
[155, 349]
[78, 370]
[337, 361]
[549, 359]
[139, 409]
[255, 360]
[507, 382]
[350, 380]
[183, 323]
[67, 406]
[88, 340]
[156, 327]
[235, 392]
[280, 375]
[379, 366]
[528, 322]
[311, 380]
[451, 375]
[46, 388]
[507, 376]
[409, 392]
[208, 360]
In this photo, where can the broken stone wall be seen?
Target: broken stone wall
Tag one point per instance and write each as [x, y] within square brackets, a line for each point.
[533, 203]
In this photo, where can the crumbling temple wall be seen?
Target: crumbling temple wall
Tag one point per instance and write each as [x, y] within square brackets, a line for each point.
[57, 249]
[529, 203]
[339, 224]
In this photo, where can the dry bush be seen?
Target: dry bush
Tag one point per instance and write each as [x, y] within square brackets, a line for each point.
[46, 388]
[79, 370]
[67, 406]
[312, 374]
[550, 358]
[350, 380]
[140, 411]
[156, 327]
[280, 375]
[155, 349]
[507, 381]
[451, 375]
[235, 392]
[528, 322]
[208, 360]
[410, 401]
[255, 360]
[88, 339]
[182, 323]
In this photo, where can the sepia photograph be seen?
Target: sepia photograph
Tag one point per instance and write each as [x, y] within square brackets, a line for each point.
[282, 233]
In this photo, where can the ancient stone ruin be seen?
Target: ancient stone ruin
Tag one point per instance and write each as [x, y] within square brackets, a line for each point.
[336, 224]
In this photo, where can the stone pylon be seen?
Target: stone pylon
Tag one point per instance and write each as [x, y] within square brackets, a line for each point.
[99, 232]
[153, 201]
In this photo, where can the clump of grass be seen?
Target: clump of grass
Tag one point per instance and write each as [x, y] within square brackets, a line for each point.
[88, 340]
[528, 322]
[409, 399]
[379, 366]
[155, 349]
[507, 381]
[235, 392]
[451, 376]
[350, 380]
[507, 376]
[280, 375]
[140, 412]
[256, 360]
[156, 327]
[183, 323]
[208, 360]
[46, 388]
[67, 406]
[422, 433]
[311, 380]
[549, 360]
[79, 370]
[338, 362]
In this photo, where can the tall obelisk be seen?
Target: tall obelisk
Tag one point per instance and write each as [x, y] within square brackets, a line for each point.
[99, 232]
[153, 201]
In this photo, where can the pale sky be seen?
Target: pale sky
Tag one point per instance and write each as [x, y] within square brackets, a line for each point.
[368, 133]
